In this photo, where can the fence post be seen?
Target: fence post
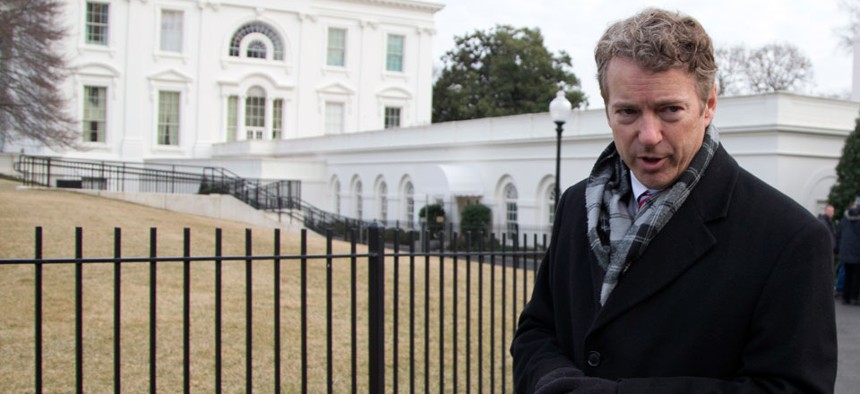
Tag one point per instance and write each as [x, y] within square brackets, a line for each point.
[376, 333]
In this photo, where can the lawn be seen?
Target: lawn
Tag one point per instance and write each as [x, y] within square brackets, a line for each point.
[60, 212]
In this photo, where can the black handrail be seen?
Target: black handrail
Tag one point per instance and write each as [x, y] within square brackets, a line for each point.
[269, 195]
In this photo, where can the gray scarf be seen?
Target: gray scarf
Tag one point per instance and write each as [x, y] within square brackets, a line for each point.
[616, 238]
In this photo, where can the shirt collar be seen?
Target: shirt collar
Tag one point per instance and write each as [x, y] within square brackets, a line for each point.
[638, 187]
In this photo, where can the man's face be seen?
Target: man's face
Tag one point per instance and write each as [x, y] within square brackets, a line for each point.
[657, 120]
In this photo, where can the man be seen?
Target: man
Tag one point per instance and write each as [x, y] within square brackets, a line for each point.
[826, 219]
[671, 269]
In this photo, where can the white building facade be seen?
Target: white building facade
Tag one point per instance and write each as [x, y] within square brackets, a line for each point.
[337, 94]
[168, 79]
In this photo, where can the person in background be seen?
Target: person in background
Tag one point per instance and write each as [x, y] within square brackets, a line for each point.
[827, 220]
[849, 253]
[671, 269]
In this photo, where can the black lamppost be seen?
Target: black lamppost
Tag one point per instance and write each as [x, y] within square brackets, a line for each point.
[559, 111]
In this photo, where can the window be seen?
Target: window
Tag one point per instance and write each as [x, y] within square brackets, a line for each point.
[260, 28]
[550, 203]
[232, 117]
[255, 113]
[383, 203]
[171, 31]
[168, 118]
[97, 23]
[409, 195]
[254, 116]
[394, 54]
[256, 50]
[334, 118]
[358, 200]
[95, 113]
[336, 197]
[336, 47]
[511, 211]
[392, 117]
[277, 119]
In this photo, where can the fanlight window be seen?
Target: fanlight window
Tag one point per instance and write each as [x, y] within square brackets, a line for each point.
[236, 41]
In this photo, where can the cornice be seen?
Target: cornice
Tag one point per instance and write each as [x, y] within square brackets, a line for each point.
[431, 6]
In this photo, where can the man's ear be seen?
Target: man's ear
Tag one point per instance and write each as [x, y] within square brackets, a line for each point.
[711, 105]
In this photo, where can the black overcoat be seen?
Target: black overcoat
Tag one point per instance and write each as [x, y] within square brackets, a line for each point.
[734, 295]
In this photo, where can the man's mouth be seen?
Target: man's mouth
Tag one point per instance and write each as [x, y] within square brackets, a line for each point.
[651, 163]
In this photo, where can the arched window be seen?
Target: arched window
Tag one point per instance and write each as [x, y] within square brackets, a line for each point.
[357, 193]
[254, 116]
[261, 28]
[256, 50]
[382, 199]
[511, 197]
[336, 195]
[550, 203]
[409, 201]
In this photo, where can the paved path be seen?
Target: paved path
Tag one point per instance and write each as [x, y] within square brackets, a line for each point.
[848, 331]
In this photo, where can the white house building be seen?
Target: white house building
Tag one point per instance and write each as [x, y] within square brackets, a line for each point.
[337, 94]
[169, 79]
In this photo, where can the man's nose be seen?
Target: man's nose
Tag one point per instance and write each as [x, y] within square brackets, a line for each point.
[649, 130]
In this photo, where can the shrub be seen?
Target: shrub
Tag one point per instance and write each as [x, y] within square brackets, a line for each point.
[476, 217]
[214, 188]
[434, 216]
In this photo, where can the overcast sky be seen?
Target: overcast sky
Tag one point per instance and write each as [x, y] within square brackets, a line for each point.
[575, 26]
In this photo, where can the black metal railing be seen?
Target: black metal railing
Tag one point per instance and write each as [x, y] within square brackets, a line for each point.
[462, 309]
[281, 196]
[321, 221]
[269, 195]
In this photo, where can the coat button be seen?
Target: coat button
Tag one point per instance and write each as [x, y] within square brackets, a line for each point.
[593, 359]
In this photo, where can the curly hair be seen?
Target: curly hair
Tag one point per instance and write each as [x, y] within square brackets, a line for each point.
[658, 40]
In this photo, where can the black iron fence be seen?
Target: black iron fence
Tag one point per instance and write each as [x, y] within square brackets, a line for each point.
[351, 318]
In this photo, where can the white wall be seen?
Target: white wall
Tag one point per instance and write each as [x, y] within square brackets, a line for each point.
[792, 142]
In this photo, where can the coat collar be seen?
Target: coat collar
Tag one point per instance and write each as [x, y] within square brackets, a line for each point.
[684, 239]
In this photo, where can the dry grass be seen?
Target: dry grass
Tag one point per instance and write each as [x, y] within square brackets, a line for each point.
[59, 212]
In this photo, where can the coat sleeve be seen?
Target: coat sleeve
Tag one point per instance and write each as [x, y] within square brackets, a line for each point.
[535, 348]
[540, 362]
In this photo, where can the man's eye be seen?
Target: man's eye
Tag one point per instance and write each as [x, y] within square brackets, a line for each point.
[673, 108]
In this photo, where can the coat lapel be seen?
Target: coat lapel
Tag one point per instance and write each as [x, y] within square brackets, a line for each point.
[679, 245]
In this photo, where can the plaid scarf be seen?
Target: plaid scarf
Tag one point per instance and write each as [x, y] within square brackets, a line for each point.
[616, 238]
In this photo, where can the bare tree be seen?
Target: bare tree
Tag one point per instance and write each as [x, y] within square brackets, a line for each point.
[778, 67]
[771, 68]
[32, 106]
[731, 65]
[847, 34]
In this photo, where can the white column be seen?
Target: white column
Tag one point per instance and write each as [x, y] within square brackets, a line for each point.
[270, 116]
[241, 133]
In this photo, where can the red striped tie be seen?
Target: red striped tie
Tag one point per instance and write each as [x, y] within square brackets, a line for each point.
[643, 197]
